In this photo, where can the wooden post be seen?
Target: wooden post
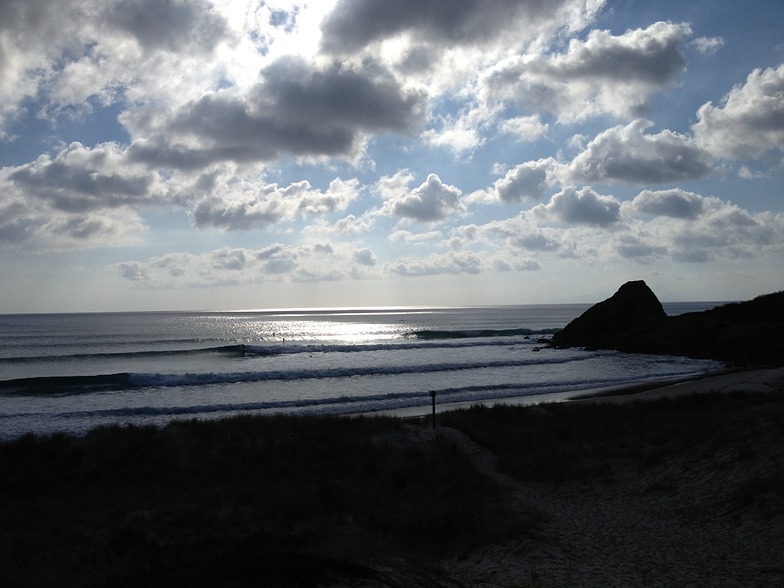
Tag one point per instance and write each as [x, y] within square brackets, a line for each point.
[433, 398]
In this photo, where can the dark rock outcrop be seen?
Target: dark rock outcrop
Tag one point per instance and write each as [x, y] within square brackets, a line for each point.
[633, 320]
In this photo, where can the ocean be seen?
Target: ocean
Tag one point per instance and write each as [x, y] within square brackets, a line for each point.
[72, 372]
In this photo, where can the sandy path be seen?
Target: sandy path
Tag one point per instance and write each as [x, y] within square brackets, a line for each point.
[657, 527]
[665, 524]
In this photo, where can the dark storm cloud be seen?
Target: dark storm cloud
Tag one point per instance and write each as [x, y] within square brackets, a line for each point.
[354, 24]
[296, 109]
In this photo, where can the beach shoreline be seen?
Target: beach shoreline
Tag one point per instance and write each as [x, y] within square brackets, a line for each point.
[722, 380]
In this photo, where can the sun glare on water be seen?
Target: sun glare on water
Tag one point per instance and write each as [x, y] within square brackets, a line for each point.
[333, 331]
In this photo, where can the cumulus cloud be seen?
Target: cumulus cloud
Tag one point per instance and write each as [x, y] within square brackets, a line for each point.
[365, 257]
[727, 232]
[454, 262]
[675, 203]
[525, 128]
[80, 179]
[168, 24]
[528, 181]
[296, 109]
[80, 49]
[432, 201]
[749, 123]
[355, 24]
[35, 224]
[523, 232]
[244, 204]
[408, 237]
[581, 206]
[640, 248]
[691, 228]
[231, 266]
[605, 74]
[627, 154]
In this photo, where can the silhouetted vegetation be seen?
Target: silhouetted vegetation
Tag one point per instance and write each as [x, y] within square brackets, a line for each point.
[316, 501]
[262, 501]
[578, 441]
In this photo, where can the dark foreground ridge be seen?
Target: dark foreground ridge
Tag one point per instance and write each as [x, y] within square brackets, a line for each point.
[686, 491]
[632, 320]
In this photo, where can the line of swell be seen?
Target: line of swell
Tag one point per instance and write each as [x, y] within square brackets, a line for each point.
[418, 340]
[480, 333]
[226, 349]
[64, 385]
[370, 403]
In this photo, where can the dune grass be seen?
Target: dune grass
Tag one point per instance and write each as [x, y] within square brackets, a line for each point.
[275, 501]
[588, 441]
[285, 501]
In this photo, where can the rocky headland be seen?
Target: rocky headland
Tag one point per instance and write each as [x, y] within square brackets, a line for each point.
[742, 334]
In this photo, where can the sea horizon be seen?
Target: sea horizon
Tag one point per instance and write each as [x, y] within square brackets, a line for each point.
[364, 309]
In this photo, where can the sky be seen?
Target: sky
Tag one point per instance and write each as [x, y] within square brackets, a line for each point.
[239, 154]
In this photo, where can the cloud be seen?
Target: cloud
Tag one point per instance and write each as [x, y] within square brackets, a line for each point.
[692, 228]
[355, 24]
[460, 133]
[168, 24]
[523, 232]
[407, 237]
[708, 45]
[749, 123]
[675, 203]
[35, 225]
[232, 266]
[727, 232]
[581, 206]
[66, 52]
[626, 154]
[32, 33]
[365, 257]
[528, 181]
[432, 201]
[525, 128]
[229, 259]
[81, 179]
[454, 262]
[638, 248]
[296, 109]
[243, 204]
[605, 74]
